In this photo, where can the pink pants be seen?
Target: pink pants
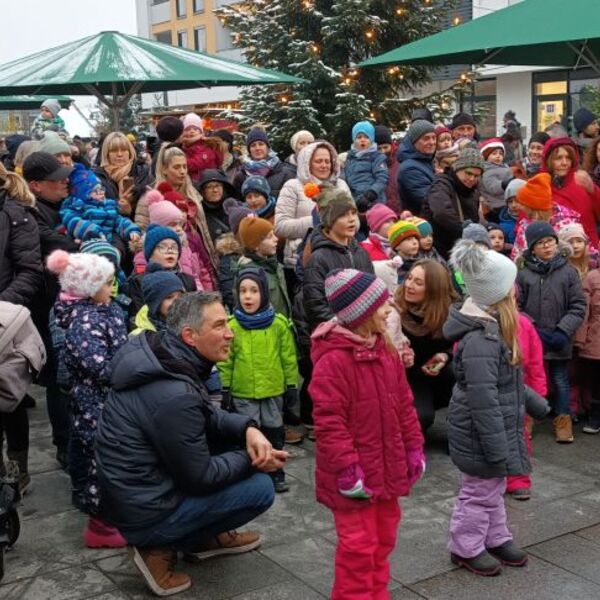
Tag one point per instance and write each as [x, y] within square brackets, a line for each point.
[479, 517]
[521, 482]
[366, 538]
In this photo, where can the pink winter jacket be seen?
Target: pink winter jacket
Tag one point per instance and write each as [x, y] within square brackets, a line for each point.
[587, 338]
[363, 413]
[532, 356]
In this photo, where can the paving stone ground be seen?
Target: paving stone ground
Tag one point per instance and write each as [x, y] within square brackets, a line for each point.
[559, 526]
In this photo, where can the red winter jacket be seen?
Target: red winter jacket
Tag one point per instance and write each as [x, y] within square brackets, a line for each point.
[374, 248]
[201, 156]
[363, 413]
[532, 356]
[572, 195]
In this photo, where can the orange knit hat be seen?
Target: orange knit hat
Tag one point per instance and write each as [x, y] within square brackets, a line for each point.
[253, 230]
[536, 194]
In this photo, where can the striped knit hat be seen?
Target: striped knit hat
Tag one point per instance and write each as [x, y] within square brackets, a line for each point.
[354, 296]
[401, 230]
[422, 225]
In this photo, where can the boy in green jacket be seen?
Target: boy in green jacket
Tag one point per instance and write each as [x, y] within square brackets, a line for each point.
[262, 366]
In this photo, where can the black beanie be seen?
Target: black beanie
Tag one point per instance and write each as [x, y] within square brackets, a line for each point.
[540, 137]
[169, 129]
[462, 119]
[382, 135]
[538, 230]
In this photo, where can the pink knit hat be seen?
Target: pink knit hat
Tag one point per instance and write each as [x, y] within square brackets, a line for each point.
[378, 215]
[192, 120]
[162, 212]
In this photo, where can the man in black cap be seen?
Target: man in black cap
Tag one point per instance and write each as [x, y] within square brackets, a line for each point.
[463, 126]
[49, 182]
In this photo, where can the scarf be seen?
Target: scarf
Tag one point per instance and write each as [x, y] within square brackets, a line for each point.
[360, 153]
[117, 174]
[412, 322]
[261, 167]
[268, 209]
[259, 320]
[268, 263]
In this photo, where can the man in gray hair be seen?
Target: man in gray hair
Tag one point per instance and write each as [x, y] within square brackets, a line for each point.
[175, 472]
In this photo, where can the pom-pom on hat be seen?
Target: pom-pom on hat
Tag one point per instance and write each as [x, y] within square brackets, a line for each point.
[169, 129]
[364, 127]
[400, 231]
[378, 215]
[155, 234]
[489, 276]
[303, 133]
[476, 233]
[487, 147]
[333, 203]
[538, 230]
[235, 212]
[156, 286]
[83, 181]
[192, 120]
[354, 296]
[162, 212]
[253, 230]
[422, 225]
[80, 275]
[258, 184]
[536, 194]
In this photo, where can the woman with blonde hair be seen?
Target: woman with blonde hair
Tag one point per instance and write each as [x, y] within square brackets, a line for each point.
[171, 167]
[124, 177]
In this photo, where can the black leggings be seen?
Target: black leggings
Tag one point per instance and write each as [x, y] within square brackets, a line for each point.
[431, 393]
[15, 427]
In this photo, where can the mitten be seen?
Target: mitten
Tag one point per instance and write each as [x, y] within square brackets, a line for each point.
[366, 201]
[553, 340]
[415, 462]
[351, 483]
[290, 398]
[226, 403]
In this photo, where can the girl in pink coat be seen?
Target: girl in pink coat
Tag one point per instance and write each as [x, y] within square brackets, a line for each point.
[369, 441]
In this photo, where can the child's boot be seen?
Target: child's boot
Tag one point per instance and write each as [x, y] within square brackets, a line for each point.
[98, 534]
[18, 464]
[563, 429]
[483, 564]
[510, 554]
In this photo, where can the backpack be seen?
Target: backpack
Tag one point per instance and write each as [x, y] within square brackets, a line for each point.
[22, 354]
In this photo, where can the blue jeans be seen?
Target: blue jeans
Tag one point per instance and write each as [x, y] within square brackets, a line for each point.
[559, 376]
[199, 518]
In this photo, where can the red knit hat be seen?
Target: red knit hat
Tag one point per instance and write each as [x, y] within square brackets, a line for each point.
[442, 129]
[487, 147]
[536, 194]
[172, 195]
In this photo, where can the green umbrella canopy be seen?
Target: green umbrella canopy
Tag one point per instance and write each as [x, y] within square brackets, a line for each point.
[30, 102]
[532, 32]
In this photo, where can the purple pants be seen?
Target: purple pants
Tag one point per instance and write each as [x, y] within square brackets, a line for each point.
[479, 517]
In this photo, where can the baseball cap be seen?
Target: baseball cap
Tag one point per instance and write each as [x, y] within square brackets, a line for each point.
[42, 166]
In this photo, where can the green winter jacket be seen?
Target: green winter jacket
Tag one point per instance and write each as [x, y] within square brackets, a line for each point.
[262, 363]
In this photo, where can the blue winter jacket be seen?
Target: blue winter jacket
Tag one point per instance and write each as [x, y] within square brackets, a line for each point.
[415, 176]
[508, 224]
[366, 170]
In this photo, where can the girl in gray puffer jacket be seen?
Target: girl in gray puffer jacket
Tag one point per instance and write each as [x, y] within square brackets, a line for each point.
[487, 410]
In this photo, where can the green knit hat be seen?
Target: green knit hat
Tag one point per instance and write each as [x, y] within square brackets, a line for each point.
[400, 231]
[333, 203]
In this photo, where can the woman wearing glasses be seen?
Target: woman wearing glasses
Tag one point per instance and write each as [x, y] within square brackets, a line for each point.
[453, 198]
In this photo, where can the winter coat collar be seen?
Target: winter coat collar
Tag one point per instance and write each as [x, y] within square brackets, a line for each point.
[335, 336]
[320, 240]
[544, 267]
[407, 150]
[473, 318]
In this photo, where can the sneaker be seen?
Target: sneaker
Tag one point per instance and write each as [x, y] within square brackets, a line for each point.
[228, 542]
[510, 554]
[292, 436]
[98, 534]
[563, 429]
[156, 565]
[483, 564]
[281, 486]
[521, 494]
[592, 426]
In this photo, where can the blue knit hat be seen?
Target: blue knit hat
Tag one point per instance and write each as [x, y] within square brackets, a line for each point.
[582, 118]
[363, 127]
[259, 276]
[155, 234]
[257, 135]
[106, 249]
[83, 181]
[256, 183]
[156, 286]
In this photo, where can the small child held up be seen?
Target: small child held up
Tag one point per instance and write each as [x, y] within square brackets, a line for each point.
[48, 119]
[94, 331]
[201, 152]
[369, 441]
[487, 409]
[495, 173]
[261, 372]
[404, 239]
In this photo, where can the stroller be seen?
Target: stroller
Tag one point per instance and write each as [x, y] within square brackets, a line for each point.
[10, 525]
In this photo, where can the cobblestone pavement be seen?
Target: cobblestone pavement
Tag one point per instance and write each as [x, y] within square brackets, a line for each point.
[560, 527]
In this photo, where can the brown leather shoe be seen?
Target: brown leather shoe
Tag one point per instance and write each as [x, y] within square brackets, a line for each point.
[228, 542]
[292, 436]
[563, 429]
[157, 568]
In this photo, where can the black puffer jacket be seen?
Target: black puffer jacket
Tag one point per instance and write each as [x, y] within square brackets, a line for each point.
[447, 206]
[487, 410]
[142, 178]
[20, 258]
[326, 256]
[159, 437]
[551, 294]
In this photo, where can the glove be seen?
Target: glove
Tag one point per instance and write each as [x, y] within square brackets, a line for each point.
[415, 462]
[365, 201]
[290, 399]
[226, 403]
[351, 483]
[553, 340]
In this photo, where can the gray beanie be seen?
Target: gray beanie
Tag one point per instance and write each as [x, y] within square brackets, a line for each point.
[54, 144]
[512, 188]
[488, 275]
[469, 158]
[418, 129]
[476, 233]
[52, 105]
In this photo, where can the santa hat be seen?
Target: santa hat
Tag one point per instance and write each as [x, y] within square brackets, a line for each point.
[487, 147]
[162, 212]
[80, 275]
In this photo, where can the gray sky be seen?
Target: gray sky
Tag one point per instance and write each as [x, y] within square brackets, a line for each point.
[29, 26]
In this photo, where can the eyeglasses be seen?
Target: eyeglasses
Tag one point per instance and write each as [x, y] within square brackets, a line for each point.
[213, 186]
[168, 248]
[546, 242]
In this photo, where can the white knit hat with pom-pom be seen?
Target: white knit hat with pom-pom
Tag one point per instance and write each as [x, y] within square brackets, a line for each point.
[488, 275]
[80, 275]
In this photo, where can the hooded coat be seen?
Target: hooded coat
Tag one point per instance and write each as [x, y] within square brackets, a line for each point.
[415, 176]
[363, 413]
[294, 210]
[486, 415]
[159, 438]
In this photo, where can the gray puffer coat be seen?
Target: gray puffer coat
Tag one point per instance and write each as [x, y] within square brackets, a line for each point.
[550, 293]
[487, 410]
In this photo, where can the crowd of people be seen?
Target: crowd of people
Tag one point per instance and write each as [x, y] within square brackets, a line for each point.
[198, 308]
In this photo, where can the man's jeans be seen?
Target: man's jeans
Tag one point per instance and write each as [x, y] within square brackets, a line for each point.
[199, 518]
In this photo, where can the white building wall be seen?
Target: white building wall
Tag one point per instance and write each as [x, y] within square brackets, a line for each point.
[514, 92]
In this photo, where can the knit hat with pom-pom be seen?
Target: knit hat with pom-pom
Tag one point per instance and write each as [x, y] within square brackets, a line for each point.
[489, 276]
[172, 195]
[162, 212]
[80, 275]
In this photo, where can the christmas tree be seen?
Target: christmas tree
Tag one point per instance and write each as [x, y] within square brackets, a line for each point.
[322, 42]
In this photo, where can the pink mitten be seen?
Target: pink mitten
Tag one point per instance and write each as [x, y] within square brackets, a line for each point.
[351, 483]
[415, 462]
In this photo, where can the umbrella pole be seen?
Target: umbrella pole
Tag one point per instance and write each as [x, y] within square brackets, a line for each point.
[116, 107]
